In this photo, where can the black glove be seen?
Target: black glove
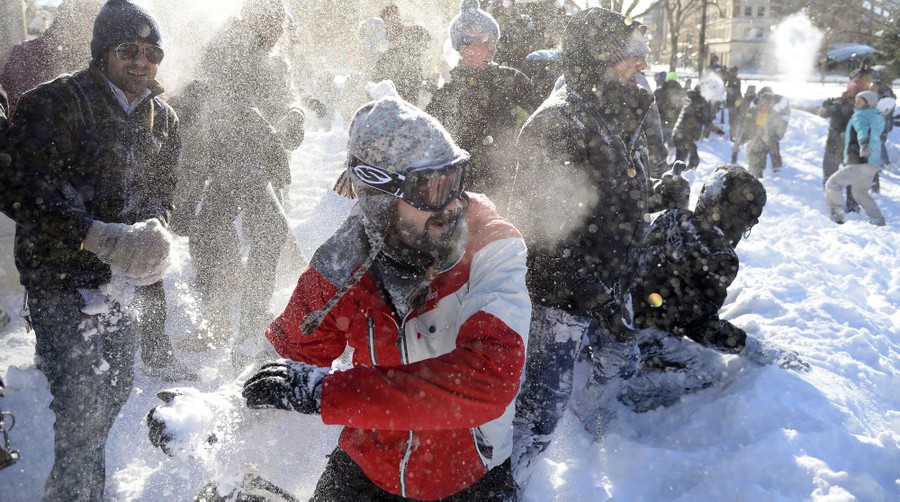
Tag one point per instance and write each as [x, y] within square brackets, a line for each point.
[602, 306]
[286, 385]
[275, 160]
[159, 436]
[291, 128]
[617, 321]
[673, 189]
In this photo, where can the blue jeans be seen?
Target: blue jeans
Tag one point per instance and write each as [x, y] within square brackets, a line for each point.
[555, 341]
[88, 360]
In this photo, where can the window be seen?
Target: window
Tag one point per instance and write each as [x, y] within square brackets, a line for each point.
[748, 11]
[761, 12]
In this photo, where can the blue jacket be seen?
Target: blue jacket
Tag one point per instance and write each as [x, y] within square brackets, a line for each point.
[865, 126]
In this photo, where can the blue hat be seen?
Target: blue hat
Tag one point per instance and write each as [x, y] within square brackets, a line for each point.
[471, 17]
[121, 21]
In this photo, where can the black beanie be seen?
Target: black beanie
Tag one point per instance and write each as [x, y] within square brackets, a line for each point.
[121, 21]
[594, 41]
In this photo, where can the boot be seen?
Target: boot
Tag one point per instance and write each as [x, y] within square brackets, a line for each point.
[837, 215]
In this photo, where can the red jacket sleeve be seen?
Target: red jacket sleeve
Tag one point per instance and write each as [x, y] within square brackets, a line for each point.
[324, 345]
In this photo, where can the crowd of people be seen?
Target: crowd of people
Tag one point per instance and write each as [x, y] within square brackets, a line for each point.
[466, 311]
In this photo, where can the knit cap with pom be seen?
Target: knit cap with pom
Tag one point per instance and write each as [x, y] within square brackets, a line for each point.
[471, 19]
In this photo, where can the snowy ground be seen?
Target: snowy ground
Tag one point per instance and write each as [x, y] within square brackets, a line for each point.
[829, 292]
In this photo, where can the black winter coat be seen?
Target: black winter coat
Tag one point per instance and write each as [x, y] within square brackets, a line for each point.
[694, 115]
[689, 263]
[583, 194]
[838, 111]
[669, 100]
[77, 157]
[483, 110]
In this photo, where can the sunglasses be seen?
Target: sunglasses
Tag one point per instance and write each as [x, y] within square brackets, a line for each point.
[426, 188]
[470, 40]
[130, 51]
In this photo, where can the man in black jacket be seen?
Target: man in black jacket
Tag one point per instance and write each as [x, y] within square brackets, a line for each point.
[484, 104]
[581, 199]
[93, 166]
[685, 264]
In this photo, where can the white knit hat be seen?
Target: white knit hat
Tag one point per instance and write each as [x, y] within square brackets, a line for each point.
[870, 98]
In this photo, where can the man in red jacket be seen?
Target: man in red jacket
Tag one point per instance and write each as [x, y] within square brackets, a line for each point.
[426, 283]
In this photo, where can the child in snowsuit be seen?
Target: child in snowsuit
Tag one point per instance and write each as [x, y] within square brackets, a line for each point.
[764, 126]
[862, 160]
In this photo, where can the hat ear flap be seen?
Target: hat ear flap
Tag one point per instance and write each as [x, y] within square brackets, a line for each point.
[343, 186]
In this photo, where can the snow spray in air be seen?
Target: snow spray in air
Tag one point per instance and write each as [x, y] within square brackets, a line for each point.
[795, 47]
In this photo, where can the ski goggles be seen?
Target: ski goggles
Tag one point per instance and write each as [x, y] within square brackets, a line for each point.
[130, 51]
[426, 188]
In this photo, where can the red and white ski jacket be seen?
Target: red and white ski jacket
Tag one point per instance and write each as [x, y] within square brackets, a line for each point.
[429, 402]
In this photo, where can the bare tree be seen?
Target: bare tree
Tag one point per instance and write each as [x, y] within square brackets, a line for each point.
[677, 13]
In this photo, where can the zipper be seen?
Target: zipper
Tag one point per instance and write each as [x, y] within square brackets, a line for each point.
[371, 335]
[404, 359]
[481, 455]
[403, 464]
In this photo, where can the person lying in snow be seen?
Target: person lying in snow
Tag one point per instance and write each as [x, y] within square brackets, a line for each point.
[426, 283]
[686, 263]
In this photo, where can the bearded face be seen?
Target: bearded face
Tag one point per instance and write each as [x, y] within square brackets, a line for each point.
[436, 234]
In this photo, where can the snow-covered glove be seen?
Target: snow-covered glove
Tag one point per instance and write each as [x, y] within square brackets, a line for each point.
[160, 437]
[187, 420]
[286, 385]
[765, 354]
[864, 150]
[138, 252]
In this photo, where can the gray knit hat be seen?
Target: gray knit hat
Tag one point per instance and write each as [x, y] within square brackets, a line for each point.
[472, 18]
[395, 135]
[121, 21]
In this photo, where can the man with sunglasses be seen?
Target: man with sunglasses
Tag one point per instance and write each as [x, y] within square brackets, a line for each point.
[483, 104]
[426, 283]
[582, 198]
[94, 157]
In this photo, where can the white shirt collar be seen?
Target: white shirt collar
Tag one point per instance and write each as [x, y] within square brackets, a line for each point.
[120, 96]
